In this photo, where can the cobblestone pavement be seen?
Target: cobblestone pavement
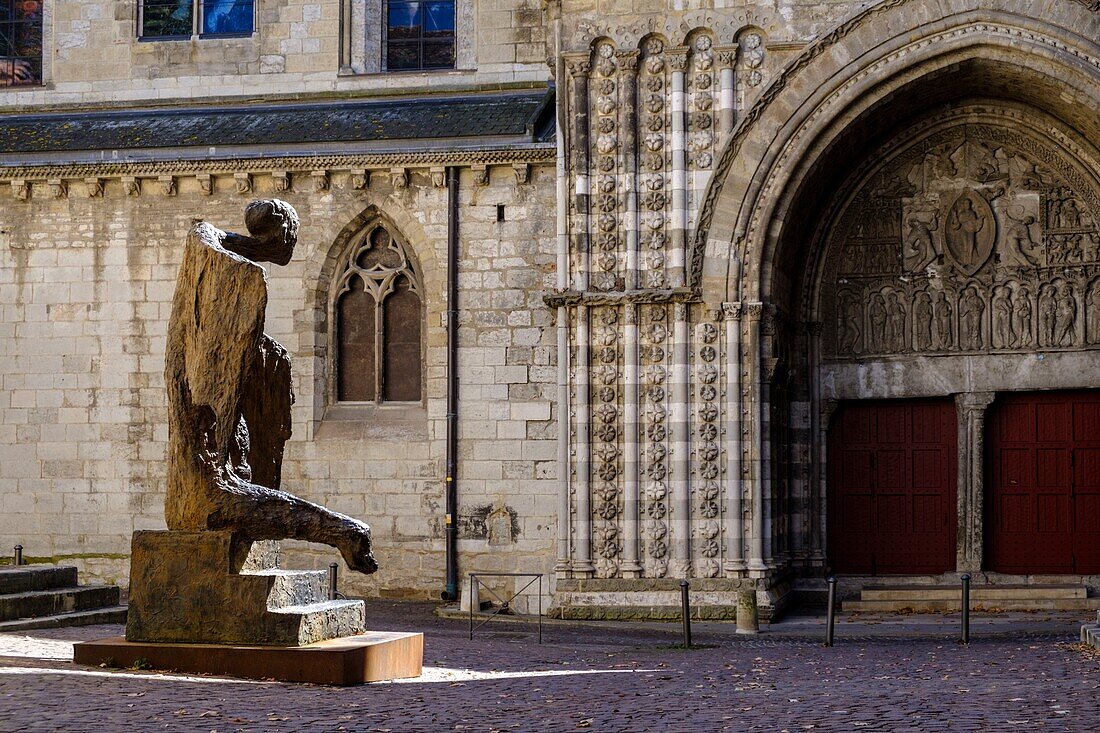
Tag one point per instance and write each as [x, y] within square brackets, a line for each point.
[601, 677]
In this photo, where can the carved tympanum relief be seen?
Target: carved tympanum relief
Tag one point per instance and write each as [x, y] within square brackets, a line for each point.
[977, 237]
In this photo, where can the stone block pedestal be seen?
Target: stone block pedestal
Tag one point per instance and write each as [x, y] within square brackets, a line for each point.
[371, 657]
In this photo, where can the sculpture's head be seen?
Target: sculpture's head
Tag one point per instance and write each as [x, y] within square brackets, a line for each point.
[274, 224]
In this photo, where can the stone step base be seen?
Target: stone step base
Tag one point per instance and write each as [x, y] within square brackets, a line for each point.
[977, 592]
[374, 656]
[28, 578]
[108, 615]
[327, 619]
[294, 587]
[57, 601]
[1001, 604]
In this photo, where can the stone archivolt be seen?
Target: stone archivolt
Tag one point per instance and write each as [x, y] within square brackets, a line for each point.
[977, 237]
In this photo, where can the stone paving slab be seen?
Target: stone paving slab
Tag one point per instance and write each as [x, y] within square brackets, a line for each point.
[599, 677]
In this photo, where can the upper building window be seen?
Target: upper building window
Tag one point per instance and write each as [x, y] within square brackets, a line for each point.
[185, 18]
[378, 322]
[420, 35]
[20, 42]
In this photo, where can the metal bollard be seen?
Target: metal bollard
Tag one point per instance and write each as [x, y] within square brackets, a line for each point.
[966, 608]
[685, 612]
[19, 554]
[831, 580]
[333, 568]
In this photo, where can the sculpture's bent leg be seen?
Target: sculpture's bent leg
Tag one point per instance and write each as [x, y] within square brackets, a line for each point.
[260, 513]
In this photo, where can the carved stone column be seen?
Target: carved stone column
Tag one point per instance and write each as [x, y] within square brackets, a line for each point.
[755, 376]
[582, 560]
[628, 75]
[578, 70]
[631, 567]
[735, 485]
[971, 407]
[727, 59]
[677, 60]
[680, 484]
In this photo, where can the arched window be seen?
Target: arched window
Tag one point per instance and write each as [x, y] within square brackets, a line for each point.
[378, 322]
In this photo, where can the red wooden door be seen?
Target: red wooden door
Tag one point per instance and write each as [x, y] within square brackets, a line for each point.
[891, 491]
[1043, 502]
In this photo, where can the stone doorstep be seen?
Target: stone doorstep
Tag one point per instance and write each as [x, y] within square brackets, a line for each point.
[26, 578]
[57, 600]
[977, 592]
[374, 656]
[1005, 604]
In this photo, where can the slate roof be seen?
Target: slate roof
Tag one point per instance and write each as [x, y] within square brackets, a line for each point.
[520, 117]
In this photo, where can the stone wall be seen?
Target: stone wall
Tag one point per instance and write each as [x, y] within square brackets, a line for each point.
[93, 54]
[87, 272]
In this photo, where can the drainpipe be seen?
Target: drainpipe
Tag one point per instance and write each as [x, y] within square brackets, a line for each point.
[450, 593]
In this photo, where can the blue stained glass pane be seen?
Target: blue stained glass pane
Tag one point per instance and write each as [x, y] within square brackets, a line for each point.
[227, 16]
[439, 19]
[404, 20]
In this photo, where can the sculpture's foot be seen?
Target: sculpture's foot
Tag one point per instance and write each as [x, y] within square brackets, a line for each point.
[357, 553]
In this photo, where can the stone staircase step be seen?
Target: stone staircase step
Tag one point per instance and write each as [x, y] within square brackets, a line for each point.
[977, 592]
[1001, 604]
[327, 619]
[26, 578]
[107, 615]
[295, 587]
[57, 600]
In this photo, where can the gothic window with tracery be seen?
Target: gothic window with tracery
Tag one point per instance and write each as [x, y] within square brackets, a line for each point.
[378, 317]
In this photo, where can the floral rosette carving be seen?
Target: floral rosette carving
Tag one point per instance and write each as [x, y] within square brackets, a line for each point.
[653, 148]
[607, 144]
[606, 452]
[653, 391]
[702, 86]
[708, 452]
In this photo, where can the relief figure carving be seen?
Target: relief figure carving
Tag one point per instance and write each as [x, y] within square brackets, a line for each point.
[1047, 308]
[922, 321]
[878, 316]
[919, 249]
[970, 232]
[943, 311]
[1092, 311]
[851, 315]
[1004, 334]
[896, 336]
[1020, 249]
[1065, 316]
[971, 308]
[1021, 318]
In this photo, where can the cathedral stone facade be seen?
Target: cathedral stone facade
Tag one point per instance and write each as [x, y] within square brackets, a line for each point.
[788, 289]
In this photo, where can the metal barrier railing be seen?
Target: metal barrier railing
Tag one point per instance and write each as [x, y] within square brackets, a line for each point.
[505, 603]
[830, 622]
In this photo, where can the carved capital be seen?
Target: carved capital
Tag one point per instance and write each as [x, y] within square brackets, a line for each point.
[628, 60]
[754, 311]
[281, 181]
[481, 174]
[243, 182]
[439, 176]
[94, 187]
[578, 65]
[131, 185]
[522, 172]
[58, 189]
[732, 311]
[678, 58]
[399, 178]
[21, 189]
[727, 56]
[320, 180]
[971, 402]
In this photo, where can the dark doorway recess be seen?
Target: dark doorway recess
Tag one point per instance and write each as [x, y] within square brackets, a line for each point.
[1043, 502]
[891, 491]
